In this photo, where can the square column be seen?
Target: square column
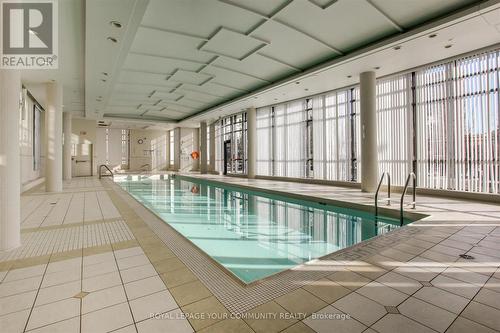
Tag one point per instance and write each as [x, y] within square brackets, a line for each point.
[10, 174]
[369, 154]
[177, 148]
[53, 134]
[203, 148]
[67, 118]
[252, 142]
[211, 133]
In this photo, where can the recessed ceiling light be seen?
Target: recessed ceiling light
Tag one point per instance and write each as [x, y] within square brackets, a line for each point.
[377, 67]
[306, 89]
[448, 46]
[298, 82]
[105, 73]
[397, 47]
[349, 76]
[112, 39]
[275, 99]
[104, 80]
[432, 35]
[116, 24]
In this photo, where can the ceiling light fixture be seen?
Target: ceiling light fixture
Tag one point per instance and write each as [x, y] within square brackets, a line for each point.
[116, 24]
[105, 73]
[432, 35]
[377, 67]
[298, 82]
[448, 46]
[397, 47]
[349, 76]
[112, 39]
[104, 80]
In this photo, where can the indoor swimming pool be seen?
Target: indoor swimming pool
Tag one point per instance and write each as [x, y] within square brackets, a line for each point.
[252, 234]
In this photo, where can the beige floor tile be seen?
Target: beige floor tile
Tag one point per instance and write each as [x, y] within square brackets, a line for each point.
[400, 282]
[168, 265]
[159, 254]
[19, 286]
[327, 290]
[159, 302]
[65, 265]
[178, 277]
[361, 308]
[210, 310]
[14, 322]
[454, 286]
[465, 275]
[427, 314]
[483, 314]
[463, 325]
[23, 273]
[133, 261]
[382, 294]
[330, 320]
[392, 323]
[17, 302]
[58, 292]
[103, 298]
[299, 327]
[416, 273]
[349, 279]
[107, 319]
[61, 277]
[99, 269]
[190, 292]
[98, 258]
[300, 301]
[132, 251]
[66, 326]
[493, 284]
[53, 312]
[96, 250]
[230, 326]
[488, 297]
[126, 329]
[442, 298]
[170, 323]
[268, 318]
[138, 273]
[144, 287]
[103, 281]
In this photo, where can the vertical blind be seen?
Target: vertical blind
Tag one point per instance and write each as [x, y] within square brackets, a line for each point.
[442, 120]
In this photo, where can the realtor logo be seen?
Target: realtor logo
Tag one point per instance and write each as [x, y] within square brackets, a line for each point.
[29, 34]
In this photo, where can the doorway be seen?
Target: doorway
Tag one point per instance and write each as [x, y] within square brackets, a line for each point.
[81, 160]
[227, 156]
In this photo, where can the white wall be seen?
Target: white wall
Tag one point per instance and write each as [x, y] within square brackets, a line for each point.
[85, 131]
[189, 142]
[151, 154]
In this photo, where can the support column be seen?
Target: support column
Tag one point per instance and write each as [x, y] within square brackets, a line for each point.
[252, 142]
[203, 148]
[67, 146]
[195, 166]
[177, 148]
[10, 175]
[53, 132]
[369, 156]
[167, 151]
[211, 132]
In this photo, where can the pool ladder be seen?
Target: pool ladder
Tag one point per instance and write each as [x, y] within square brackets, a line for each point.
[411, 175]
[100, 171]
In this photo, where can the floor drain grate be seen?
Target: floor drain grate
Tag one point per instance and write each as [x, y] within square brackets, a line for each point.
[466, 256]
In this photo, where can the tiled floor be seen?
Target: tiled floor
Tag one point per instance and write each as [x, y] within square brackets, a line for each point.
[121, 277]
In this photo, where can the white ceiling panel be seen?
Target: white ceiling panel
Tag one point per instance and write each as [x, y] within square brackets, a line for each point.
[264, 7]
[158, 64]
[233, 79]
[291, 47]
[127, 76]
[232, 44]
[326, 24]
[408, 13]
[190, 77]
[164, 43]
[158, 94]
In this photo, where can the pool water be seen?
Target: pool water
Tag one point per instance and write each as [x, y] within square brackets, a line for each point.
[252, 234]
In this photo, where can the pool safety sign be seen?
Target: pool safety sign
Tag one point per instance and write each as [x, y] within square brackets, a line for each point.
[29, 34]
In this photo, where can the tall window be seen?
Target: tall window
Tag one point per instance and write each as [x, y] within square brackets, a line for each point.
[37, 137]
[172, 146]
[458, 124]
[125, 146]
[234, 129]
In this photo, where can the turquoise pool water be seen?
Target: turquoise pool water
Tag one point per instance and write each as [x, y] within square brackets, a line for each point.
[252, 234]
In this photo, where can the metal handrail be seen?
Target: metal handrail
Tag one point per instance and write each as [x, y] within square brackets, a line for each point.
[100, 169]
[388, 190]
[411, 175]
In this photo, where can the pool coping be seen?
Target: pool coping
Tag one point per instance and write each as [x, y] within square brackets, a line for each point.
[234, 294]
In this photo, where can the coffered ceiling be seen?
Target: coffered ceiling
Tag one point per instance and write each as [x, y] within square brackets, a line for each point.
[176, 58]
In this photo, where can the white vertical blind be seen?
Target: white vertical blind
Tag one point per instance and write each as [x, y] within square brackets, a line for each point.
[394, 135]
[295, 139]
[219, 155]
[458, 124]
[264, 141]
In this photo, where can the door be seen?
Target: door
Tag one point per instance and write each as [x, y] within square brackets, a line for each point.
[81, 160]
[227, 156]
